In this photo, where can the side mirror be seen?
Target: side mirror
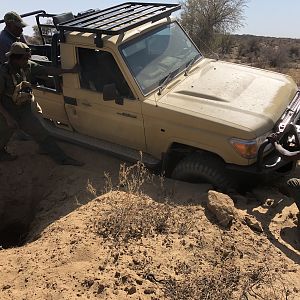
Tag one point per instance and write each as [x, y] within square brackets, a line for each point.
[110, 93]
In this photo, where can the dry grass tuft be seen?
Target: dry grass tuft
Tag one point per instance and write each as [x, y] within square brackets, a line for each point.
[223, 277]
[226, 281]
[134, 218]
[132, 215]
[217, 285]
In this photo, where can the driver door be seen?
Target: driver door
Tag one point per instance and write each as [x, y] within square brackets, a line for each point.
[90, 115]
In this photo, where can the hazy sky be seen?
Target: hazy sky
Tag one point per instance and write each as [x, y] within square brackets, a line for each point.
[262, 17]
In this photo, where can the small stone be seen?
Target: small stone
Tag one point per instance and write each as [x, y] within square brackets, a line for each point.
[139, 281]
[253, 223]
[149, 291]
[183, 242]
[6, 287]
[124, 279]
[117, 275]
[88, 283]
[135, 261]
[101, 268]
[101, 288]
[131, 290]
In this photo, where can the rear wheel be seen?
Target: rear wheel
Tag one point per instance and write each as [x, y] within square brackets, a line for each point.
[204, 168]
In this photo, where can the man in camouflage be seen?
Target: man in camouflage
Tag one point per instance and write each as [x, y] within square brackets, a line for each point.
[11, 33]
[16, 103]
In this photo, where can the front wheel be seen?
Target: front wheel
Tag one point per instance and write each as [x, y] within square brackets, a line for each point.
[204, 168]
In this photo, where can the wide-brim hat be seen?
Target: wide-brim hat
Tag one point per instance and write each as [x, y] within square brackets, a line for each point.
[13, 17]
[18, 48]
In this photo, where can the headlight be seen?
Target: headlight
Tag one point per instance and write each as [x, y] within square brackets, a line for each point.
[248, 148]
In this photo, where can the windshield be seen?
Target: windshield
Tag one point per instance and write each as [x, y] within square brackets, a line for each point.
[152, 57]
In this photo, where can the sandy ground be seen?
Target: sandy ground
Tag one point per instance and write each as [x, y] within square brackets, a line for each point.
[88, 239]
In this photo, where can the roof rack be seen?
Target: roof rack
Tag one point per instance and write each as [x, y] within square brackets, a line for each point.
[46, 38]
[46, 30]
[118, 19]
[28, 14]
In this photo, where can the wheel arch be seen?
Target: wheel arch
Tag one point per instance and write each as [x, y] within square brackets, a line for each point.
[178, 151]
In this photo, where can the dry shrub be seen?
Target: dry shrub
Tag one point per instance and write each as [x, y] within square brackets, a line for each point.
[91, 189]
[132, 215]
[132, 178]
[263, 283]
[223, 277]
[294, 52]
[133, 218]
[227, 281]
[218, 284]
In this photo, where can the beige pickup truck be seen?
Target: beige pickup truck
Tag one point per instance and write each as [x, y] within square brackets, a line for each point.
[144, 86]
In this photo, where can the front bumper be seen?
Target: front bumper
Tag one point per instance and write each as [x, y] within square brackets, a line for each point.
[285, 140]
[270, 164]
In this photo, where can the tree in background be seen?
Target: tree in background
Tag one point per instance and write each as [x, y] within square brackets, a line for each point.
[207, 20]
[36, 38]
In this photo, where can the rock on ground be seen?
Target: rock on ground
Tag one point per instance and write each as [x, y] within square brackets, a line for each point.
[221, 206]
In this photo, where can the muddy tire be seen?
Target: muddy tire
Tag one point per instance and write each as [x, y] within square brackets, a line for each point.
[204, 168]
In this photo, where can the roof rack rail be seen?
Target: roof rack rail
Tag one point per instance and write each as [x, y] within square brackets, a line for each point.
[117, 19]
[46, 38]
[46, 30]
[32, 13]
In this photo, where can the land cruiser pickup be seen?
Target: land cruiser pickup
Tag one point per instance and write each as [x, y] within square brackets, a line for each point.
[144, 87]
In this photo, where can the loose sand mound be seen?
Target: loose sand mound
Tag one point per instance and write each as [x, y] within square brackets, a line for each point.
[81, 236]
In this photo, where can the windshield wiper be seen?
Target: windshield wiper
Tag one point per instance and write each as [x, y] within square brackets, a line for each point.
[167, 79]
[190, 64]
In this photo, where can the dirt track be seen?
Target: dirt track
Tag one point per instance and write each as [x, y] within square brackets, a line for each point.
[66, 257]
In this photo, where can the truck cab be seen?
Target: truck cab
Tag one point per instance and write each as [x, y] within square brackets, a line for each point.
[144, 87]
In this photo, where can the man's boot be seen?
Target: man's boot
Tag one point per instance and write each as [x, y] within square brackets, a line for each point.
[5, 156]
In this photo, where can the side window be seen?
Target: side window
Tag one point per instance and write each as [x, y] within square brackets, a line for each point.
[99, 68]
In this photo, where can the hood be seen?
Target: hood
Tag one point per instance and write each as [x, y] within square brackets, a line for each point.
[233, 94]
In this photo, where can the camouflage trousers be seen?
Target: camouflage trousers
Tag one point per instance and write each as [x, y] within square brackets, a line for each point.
[29, 123]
